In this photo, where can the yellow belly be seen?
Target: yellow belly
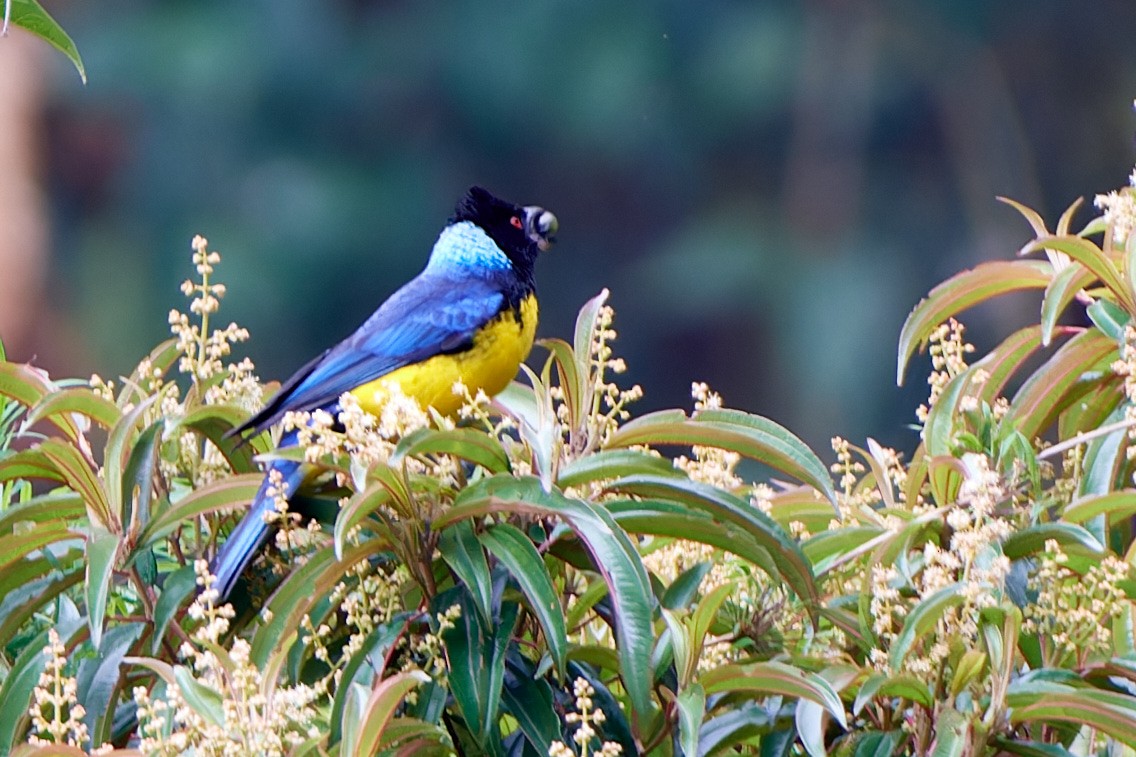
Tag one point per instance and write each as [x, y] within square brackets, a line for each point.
[490, 364]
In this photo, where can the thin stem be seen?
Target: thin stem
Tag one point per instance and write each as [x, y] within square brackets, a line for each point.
[1087, 436]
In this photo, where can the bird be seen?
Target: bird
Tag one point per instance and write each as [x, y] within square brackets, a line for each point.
[469, 316]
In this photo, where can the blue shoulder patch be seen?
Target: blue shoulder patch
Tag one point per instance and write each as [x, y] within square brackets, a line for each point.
[465, 246]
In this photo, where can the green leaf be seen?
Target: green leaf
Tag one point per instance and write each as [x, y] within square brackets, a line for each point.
[1116, 505]
[214, 422]
[203, 700]
[679, 521]
[922, 619]
[102, 548]
[24, 384]
[691, 703]
[137, 486]
[573, 383]
[792, 564]
[77, 474]
[177, 587]
[60, 505]
[1002, 362]
[868, 691]
[772, 678]
[614, 463]
[529, 700]
[1031, 748]
[963, 290]
[378, 642]
[733, 430]
[1031, 540]
[119, 447]
[909, 688]
[462, 551]
[727, 732]
[1040, 701]
[809, 720]
[951, 732]
[618, 561]
[585, 327]
[30, 15]
[1074, 369]
[300, 590]
[476, 654]
[380, 709]
[1060, 292]
[75, 400]
[837, 543]
[614, 555]
[1110, 318]
[467, 444]
[684, 588]
[969, 666]
[517, 553]
[877, 744]
[99, 677]
[35, 595]
[1093, 258]
[228, 493]
[1033, 218]
[16, 546]
[20, 681]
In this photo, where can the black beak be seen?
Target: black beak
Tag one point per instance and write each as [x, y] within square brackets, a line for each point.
[540, 227]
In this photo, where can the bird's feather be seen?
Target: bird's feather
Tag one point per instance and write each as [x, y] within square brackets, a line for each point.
[432, 314]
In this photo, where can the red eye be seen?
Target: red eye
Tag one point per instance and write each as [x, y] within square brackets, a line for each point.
[516, 222]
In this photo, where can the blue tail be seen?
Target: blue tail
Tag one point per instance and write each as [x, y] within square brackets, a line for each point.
[252, 532]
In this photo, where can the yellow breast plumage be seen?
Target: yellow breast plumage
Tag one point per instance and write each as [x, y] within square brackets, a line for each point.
[490, 363]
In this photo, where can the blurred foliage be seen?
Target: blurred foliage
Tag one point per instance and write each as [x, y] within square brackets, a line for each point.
[756, 182]
[537, 578]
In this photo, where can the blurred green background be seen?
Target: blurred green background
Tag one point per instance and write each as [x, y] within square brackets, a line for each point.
[767, 188]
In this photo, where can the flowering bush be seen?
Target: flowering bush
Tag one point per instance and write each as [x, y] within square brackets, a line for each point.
[535, 576]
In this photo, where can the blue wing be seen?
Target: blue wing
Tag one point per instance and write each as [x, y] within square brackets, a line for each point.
[432, 314]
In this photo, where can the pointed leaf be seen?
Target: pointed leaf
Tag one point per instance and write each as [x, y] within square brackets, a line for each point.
[1093, 258]
[1109, 712]
[358, 510]
[77, 474]
[380, 709]
[613, 553]
[1084, 359]
[1117, 505]
[203, 700]
[462, 551]
[30, 15]
[614, 463]
[691, 703]
[1031, 540]
[1060, 292]
[517, 553]
[76, 400]
[215, 422]
[922, 619]
[963, 290]
[467, 444]
[228, 493]
[774, 678]
[793, 565]
[679, 521]
[102, 548]
[749, 435]
[809, 719]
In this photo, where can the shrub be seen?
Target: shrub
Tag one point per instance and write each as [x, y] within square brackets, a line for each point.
[536, 577]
